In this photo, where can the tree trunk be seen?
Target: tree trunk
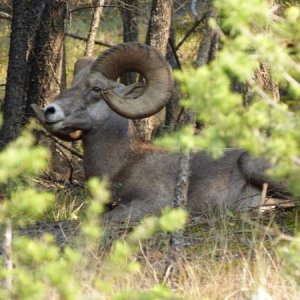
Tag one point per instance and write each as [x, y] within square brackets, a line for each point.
[159, 25]
[25, 20]
[176, 255]
[90, 44]
[264, 78]
[180, 199]
[157, 37]
[63, 80]
[209, 42]
[263, 74]
[45, 60]
[173, 107]
[34, 61]
[129, 13]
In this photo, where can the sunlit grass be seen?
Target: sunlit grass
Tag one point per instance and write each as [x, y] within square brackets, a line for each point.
[220, 265]
[229, 257]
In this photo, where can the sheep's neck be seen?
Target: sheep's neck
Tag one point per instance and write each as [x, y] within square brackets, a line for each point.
[108, 147]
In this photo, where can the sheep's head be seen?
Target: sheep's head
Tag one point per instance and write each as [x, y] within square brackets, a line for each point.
[79, 107]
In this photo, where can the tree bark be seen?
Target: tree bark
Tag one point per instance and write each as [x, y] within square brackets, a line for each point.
[34, 61]
[180, 199]
[129, 13]
[209, 42]
[172, 108]
[157, 37]
[159, 25]
[263, 74]
[45, 60]
[90, 44]
[25, 20]
[264, 78]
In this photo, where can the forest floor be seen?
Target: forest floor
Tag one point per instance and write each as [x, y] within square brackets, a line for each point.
[234, 256]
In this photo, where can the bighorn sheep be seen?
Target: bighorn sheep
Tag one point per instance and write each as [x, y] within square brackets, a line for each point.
[142, 177]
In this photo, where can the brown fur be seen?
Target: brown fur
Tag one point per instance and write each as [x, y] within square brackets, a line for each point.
[143, 178]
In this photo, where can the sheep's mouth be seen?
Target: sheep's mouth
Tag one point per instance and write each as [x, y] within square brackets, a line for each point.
[50, 123]
[55, 126]
[66, 133]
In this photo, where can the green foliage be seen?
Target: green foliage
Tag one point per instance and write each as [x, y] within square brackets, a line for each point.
[17, 159]
[255, 35]
[90, 225]
[26, 205]
[40, 268]
[170, 221]
[174, 219]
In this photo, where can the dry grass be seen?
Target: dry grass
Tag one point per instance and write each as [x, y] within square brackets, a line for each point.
[227, 258]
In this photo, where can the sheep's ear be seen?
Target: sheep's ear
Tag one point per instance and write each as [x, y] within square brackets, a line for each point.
[81, 63]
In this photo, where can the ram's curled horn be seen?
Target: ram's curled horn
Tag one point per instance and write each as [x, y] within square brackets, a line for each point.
[39, 113]
[149, 63]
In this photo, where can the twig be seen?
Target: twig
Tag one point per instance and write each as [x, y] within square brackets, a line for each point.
[5, 16]
[78, 37]
[264, 193]
[90, 7]
[69, 162]
[175, 53]
[63, 234]
[72, 35]
[167, 273]
[148, 263]
[290, 79]
[61, 144]
[189, 32]
[121, 4]
[275, 231]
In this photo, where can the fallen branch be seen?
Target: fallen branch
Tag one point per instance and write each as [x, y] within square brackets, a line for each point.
[78, 37]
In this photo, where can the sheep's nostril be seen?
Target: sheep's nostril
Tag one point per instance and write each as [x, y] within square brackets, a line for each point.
[49, 111]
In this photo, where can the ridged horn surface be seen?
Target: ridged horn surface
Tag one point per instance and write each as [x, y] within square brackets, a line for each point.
[149, 63]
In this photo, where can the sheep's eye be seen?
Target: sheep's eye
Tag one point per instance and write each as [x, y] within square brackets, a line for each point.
[96, 89]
